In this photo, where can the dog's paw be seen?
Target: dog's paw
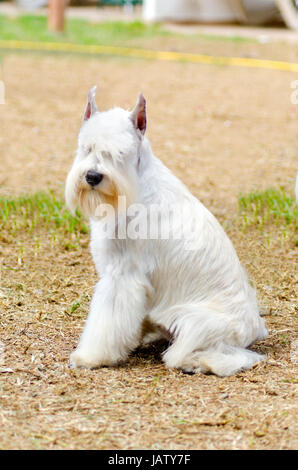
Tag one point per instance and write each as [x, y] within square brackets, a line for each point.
[79, 359]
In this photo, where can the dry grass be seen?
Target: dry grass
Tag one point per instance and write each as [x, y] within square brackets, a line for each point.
[222, 137]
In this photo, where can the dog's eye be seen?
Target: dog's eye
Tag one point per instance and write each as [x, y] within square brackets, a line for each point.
[88, 150]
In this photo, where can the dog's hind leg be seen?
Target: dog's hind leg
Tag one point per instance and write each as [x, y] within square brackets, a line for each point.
[222, 361]
[210, 342]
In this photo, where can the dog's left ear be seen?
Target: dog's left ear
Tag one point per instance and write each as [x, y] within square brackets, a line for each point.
[138, 115]
[91, 107]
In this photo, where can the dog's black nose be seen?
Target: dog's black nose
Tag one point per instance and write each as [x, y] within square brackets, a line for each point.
[93, 178]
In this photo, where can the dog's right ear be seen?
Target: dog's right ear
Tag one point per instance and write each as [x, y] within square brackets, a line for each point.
[138, 115]
[91, 107]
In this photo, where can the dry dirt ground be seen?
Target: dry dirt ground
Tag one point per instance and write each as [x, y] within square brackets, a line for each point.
[222, 131]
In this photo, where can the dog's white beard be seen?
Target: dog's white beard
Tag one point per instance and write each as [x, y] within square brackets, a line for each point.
[118, 181]
[88, 200]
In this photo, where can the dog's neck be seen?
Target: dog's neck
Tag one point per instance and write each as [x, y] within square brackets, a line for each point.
[144, 156]
[156, 179]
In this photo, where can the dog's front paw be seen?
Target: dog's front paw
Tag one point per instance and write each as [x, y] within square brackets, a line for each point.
[81, 359]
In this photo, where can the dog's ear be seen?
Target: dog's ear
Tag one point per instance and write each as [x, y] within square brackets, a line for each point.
[138, 115]
[91, 107]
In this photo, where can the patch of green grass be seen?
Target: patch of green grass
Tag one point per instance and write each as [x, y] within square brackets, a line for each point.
[38, 211]
[272, 206]
[220, 38]
[77, 31]
[34, 28]
[75, 306]
[80, 307]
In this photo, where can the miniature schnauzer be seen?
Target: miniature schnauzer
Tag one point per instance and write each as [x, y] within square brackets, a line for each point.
[187, 286]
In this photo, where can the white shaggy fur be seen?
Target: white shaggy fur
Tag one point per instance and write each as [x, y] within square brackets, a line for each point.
[198, 297]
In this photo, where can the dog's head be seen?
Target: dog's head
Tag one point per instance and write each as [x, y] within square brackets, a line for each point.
[107, 158]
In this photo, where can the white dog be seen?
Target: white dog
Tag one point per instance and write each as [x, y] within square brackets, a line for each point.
[197, 296]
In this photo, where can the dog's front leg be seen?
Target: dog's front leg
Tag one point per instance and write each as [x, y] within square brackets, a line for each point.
[114, 324]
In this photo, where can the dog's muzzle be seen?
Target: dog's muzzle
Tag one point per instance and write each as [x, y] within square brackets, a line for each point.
[93, 177]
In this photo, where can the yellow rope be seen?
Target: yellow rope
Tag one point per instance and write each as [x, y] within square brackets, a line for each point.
[150, 54]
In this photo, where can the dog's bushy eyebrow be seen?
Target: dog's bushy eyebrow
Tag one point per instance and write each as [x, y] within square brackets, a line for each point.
[109, 156]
